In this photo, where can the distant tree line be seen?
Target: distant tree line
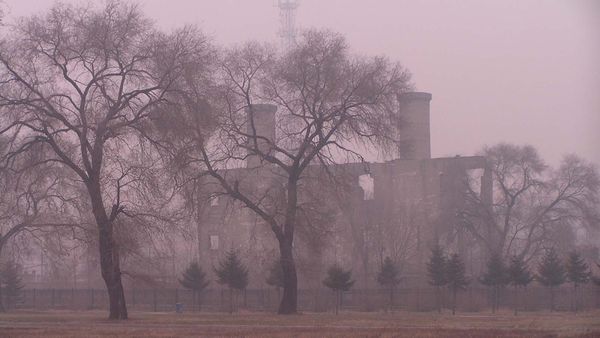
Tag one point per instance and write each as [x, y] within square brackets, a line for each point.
[448, 271]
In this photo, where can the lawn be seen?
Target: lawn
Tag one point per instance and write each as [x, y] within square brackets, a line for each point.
[353, 324]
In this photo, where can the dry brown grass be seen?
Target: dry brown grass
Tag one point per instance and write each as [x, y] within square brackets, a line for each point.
[399, 324]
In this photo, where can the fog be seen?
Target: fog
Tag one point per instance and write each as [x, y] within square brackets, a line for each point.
[148, 166]
[520, 71]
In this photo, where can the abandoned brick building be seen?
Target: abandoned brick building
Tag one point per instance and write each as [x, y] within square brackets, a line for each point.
[397, 208]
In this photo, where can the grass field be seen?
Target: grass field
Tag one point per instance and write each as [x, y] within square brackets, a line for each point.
[399, 324]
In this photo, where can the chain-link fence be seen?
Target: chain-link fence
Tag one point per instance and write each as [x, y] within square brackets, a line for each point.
[319, 300]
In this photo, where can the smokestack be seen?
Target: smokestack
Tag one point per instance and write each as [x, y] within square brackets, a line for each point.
[415, 140]
[263, 116]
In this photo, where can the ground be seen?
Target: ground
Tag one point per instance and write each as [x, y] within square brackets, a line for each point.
[354, 324]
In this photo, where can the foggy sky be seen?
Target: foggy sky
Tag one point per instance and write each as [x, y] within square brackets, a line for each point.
[520, 71]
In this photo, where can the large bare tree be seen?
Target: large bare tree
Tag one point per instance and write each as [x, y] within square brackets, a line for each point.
[81, 82]
[531, 201]
[328, 100]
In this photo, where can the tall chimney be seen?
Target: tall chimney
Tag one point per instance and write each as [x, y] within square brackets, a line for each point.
[261, 118]
[415, 140]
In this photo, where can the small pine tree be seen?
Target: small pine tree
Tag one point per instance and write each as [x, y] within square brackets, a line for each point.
[338, 280]
[551, 273]
[495, 277]
[456, 277]
[275, 277]
[436, 272]
[389, 278]
[232, 273]
[11, 284]
[518, 276]
[578, 273]
[194, 279]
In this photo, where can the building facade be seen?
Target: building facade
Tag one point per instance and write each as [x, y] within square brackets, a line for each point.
[352, 214]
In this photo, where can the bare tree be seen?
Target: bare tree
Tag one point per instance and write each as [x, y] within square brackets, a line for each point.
[327, 98]
[34, 206]
[81, 82]
[531, 202]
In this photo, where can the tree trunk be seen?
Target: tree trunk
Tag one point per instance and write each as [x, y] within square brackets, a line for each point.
[516, 300]
[337, 301]
[575, 298]
[551, 299]
[391, 299]
[2, 309]
[438, 297]
[109, 254]
[199, 301]
[230, 301]
[111, 273]
[493, 299]
[289, 298]
[194, 300]
[453, 301]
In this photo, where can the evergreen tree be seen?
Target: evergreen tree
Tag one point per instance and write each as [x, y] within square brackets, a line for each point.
[232, 273]
[389, 278]
[275, 277]
[578, 273]
[436, 272]
[495, 277]
[11, 284]
[338, 280]
[456, 277]
[518, 276]
[551, 273]
[194, 279]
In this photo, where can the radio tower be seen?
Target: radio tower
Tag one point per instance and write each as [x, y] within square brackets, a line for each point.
[287, 18]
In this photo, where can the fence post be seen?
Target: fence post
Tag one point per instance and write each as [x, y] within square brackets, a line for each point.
[418, 299]
[154, 298]
[73, 298]
[133, 297]
[52, 304]
[176, 295]
[92, 299]
[34, 299]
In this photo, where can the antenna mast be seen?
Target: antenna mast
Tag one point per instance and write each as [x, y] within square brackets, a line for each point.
[287, 18]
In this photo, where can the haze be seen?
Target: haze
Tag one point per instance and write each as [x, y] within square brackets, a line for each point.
[514, 71]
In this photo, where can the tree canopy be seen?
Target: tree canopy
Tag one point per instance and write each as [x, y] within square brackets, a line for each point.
[577, 270]
[194, 278]
[389, 274]
[551, 271]
[232, 272]
[533, 204]
[518, 273]
[496, 272]
[436, 267]
[338, 278]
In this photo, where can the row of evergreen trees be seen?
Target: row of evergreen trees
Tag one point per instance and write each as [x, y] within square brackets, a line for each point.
[551, 273]
[444, 271]
[230, 272]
